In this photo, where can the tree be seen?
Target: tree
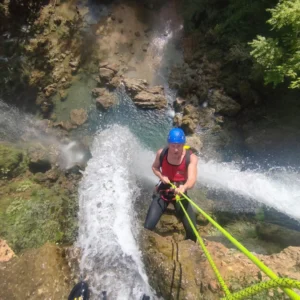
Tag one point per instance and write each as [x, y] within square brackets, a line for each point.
[279, 54]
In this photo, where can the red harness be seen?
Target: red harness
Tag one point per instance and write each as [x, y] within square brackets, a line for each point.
[176, 173]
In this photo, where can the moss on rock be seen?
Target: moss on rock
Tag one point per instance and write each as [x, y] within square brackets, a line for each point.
[12, 161]
[32, 214]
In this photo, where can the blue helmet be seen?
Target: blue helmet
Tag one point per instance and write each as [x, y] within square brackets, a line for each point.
[176, 136]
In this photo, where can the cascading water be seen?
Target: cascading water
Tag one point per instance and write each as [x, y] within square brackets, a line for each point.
[108, 223]
[277, 188]
[16, 126]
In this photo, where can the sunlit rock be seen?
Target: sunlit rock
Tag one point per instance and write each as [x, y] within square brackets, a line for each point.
[104, 99]
[36, 274]
[6, 252]
[78, 116]
[152, 98]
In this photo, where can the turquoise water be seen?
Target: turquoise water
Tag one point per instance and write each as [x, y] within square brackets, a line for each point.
[149, 126]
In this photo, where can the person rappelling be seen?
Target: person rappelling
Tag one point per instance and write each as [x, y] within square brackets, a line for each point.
[177, 165]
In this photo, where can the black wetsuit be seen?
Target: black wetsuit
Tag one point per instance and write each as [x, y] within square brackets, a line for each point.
[159, 205]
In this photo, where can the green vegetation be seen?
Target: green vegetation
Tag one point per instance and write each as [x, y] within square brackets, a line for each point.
[31, 215]
[243, 36]
[279, 54]
[12, 161]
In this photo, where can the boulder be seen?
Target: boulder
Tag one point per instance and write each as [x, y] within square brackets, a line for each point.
[106, 75]
[278, 234]
[104, 99]
[194, 141]
[133, 86]
[78, 116]
[6, 252]
[150, 100]
[188, 125]
[39, 159]
[143, 96]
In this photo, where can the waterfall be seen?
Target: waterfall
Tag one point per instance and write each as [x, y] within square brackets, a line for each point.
[278, 188]
[108, 224]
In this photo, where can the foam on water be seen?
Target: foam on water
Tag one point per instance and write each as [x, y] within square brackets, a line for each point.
[108, 229]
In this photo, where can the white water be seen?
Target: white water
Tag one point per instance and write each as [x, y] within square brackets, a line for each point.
[16, 126]
[108, 224]
[278, 188]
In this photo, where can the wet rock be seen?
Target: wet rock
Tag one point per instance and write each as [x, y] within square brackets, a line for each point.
[46, 107]
[152, 98]
[195, 142]
[177, 120]
[63, 95]
[52, 175]
[104, 99]
[106, 74]
[206, 117]
[50, 90]
[66, 125]
[39, 159]
[112, 67]
[178, 104]
[278, 234]
[188, 125]
[78, 116]
[115, 82]
[223, 104]
[133, 86]
[6, 252]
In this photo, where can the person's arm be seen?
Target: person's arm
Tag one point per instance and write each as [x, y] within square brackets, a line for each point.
[156, 168]
[192, 175]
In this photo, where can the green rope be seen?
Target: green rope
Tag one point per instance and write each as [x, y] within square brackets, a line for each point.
[257, 288]
[252, 257]
[207, 254]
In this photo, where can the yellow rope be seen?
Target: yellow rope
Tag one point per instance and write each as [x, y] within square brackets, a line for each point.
[252, 257]
[207, 254]
[257, 288]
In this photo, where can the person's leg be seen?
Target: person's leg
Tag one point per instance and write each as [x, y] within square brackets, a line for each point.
[189, 209]
[156, 209]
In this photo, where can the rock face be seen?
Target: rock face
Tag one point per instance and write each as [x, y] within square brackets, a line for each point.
[48, 273]
[179, 270]
[143, 96]
[223, 104]
[153, 98]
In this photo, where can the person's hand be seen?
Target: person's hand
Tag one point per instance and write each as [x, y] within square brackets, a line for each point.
[180, 190]
[165, 180]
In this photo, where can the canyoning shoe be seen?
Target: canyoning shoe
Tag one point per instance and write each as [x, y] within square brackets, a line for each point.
[145, 297]
[79, 292]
